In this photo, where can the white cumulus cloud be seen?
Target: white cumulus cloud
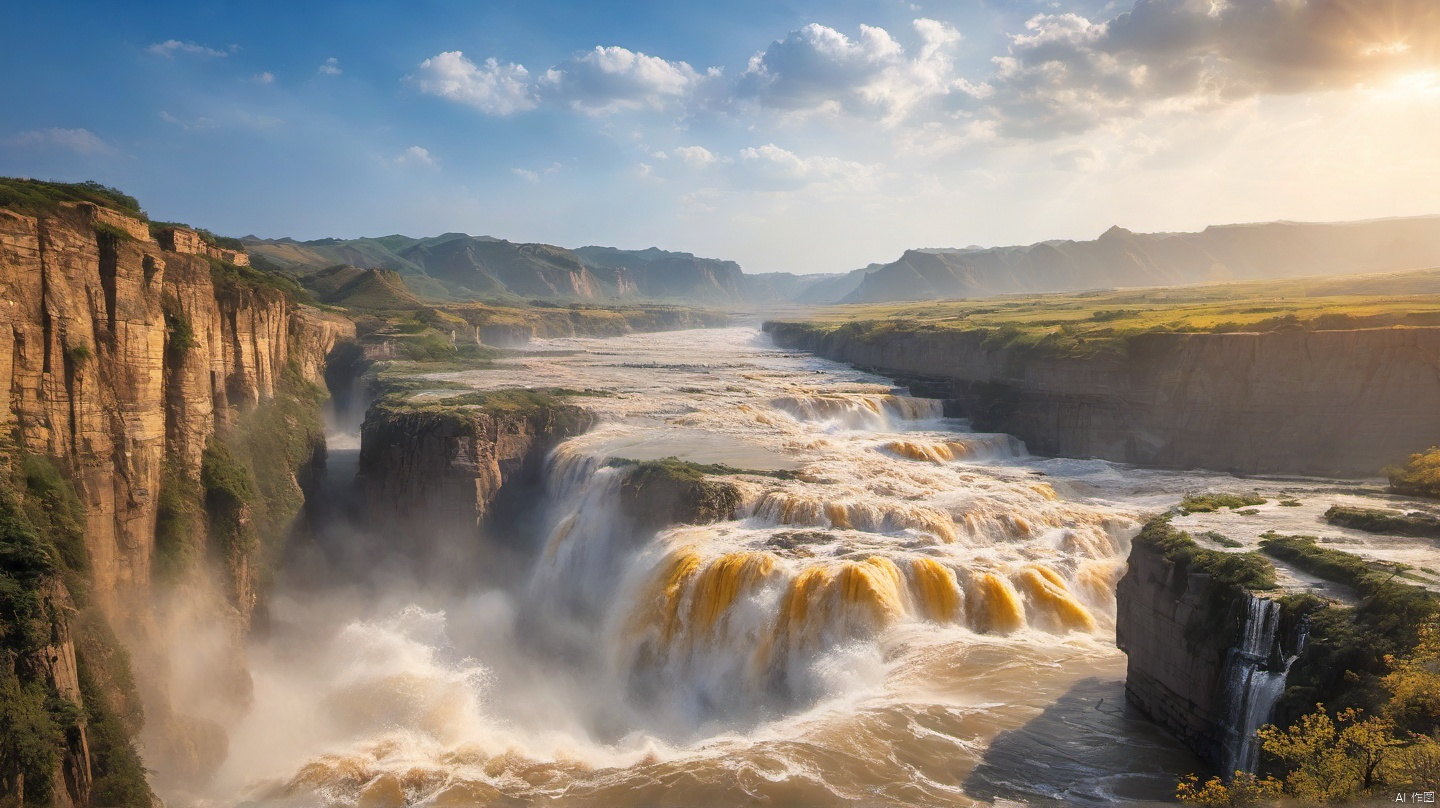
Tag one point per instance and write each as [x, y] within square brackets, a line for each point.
[609, 79]
[819, 69]
[330, 68]
[696, 155]
[494, 88]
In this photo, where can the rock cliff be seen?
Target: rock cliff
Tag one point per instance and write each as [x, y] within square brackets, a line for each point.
[1208, 645]
[1176, 657]
[122, 361]
[443, 469]
[1340, 403]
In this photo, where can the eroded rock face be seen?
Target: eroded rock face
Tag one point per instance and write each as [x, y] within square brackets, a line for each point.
[120, 358]
[189, 242]
[441, 469]
[1176, 654]
[656, 495]
[94, 375]
[1331, 403]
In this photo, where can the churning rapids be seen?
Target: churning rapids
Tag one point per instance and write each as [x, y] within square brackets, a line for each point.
[905, 612]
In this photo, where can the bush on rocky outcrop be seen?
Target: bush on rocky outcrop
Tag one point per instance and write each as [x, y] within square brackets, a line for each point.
[1419, 477]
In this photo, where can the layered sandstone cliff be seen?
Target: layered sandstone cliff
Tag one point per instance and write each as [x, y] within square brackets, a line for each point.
[121, 360]
[1342, 403]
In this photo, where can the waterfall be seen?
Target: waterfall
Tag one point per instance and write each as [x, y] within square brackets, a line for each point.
[1254, 679]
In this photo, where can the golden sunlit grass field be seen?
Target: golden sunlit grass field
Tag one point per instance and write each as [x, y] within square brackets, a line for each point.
[1095, 319]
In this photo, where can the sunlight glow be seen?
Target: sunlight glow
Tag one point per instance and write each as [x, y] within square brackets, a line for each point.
[1412, 86]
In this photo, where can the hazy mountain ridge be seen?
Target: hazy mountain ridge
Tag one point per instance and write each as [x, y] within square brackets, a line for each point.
[459, 266]
[1120, 258]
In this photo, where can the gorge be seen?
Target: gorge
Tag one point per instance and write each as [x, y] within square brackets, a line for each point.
[278, 551]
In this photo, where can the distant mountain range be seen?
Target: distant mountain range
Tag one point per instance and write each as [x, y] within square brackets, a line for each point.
[456, 266]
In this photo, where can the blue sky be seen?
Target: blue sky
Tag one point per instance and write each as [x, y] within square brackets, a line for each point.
[800, 136]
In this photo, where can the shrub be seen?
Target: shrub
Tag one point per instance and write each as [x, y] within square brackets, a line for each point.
[229, 498]
[1419, 477]
[105, 230]
[30, 739]
[119, 775]
[1222, 540]
[657, 493]
[77, 354]
[182, 333]
[429, 346]
[53, 506]
[232, 279]
[178, 524]
[1348, 646]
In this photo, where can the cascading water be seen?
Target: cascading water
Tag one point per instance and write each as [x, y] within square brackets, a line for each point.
[1255, 674]
[892, 592]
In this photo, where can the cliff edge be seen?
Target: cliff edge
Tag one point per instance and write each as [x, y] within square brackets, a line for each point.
[1330, 403]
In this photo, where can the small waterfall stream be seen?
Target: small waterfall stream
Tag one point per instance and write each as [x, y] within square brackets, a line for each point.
[1254, 679]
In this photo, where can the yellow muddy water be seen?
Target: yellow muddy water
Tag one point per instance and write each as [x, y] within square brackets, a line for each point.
[910, 613]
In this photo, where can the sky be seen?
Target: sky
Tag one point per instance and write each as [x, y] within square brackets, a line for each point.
[788, 135]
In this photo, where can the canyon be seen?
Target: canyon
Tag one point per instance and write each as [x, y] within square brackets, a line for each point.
[163, 434]
[263, 548]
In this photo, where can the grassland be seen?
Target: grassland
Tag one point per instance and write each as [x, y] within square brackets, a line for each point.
[1086, 321]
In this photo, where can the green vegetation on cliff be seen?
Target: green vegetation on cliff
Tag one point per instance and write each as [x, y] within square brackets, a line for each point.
[692, 469]
[1361, 709]
[42, 589]
[657, 493]
[38, 197]
[32, 716]
[250, 484]
[223, 242]
[1378, 520]
[1330, 755]
[1227, 571]
[400, 394]
[232, 279]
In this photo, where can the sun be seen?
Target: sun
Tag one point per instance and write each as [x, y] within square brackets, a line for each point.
[1421, 85]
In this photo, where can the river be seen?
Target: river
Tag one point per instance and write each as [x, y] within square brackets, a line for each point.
[905, 613]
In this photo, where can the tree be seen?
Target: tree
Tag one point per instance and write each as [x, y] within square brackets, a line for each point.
[1331, 758]
[1414, 685]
